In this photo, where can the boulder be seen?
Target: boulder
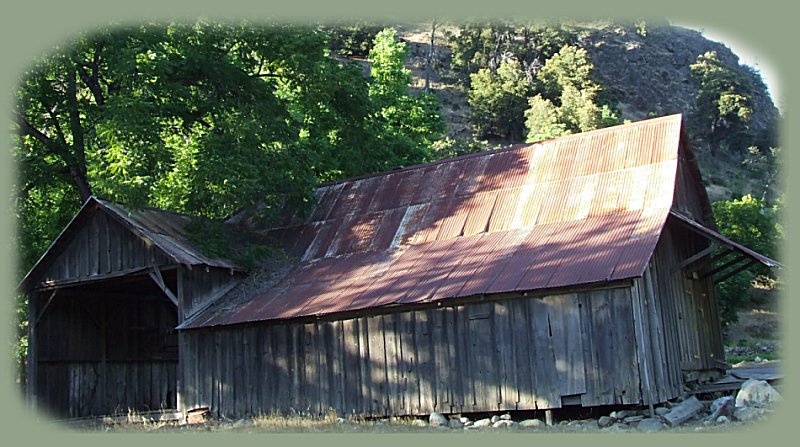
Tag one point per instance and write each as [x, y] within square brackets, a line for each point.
[437, 420]
[480, 423]
[495, 418]
[531, 423]
[418, 423]
[504, 423]
[724, 406]
[650, 425]
[605, 421]
[748, 413]
[455, 423]
[756, 393]
[723, 420]
[505, 417]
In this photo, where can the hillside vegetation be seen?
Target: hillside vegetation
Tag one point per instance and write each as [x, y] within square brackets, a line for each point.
[642, 70]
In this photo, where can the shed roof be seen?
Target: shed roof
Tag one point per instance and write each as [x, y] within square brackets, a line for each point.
[167, 230]
[576, 210]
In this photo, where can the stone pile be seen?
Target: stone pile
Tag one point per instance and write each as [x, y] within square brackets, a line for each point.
[755, 399]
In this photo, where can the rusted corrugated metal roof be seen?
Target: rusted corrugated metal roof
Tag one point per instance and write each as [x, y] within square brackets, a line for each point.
[576, 210]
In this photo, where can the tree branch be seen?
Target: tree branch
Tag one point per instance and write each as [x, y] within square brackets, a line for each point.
[91, 82]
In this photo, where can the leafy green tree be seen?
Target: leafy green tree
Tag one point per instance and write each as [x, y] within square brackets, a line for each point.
[485, 44]
[751, 222]
[498, 100]
[406, 126]
[542, 120]
[205, 118]
[724, 104]
[353, 38]
[568, 102]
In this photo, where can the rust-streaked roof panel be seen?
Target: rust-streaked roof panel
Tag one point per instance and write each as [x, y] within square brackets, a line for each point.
[574, 210]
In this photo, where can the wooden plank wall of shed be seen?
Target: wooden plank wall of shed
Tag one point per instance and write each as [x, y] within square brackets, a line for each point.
[520, 353]
[101, 354]
[688, 193]
[688, 306]
[102, 246]
[199, 285]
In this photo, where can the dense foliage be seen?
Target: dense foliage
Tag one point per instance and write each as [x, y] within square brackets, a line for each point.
[528, 81]
[206, 118]
[755, 224]
[724, 103]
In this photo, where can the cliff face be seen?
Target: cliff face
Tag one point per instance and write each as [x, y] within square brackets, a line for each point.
[650, 73]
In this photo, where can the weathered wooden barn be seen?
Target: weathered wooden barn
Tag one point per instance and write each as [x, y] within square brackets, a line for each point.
[574, 271]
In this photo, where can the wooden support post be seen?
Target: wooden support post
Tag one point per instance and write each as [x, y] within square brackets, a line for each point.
[181, 349]
[641, 345]
[548, 417]
[31, 373]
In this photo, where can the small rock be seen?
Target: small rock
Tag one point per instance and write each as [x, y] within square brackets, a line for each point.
[723, 420]
[482, 423]
[464, 420]
[341, 420]
[605, 421]
[437, 420]
[756, 393]
[418, 423]
[505, 417]
[495, 418]
[758, 359]
[649, 425]
[455, 423]
[531, 423]
[661, 411]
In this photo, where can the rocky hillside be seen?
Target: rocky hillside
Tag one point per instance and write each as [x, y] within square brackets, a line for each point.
[646, 72]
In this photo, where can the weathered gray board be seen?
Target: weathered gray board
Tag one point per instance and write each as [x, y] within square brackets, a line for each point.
[514, 353]
[101, 354]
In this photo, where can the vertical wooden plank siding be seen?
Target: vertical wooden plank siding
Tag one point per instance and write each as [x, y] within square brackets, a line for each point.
[606, 346]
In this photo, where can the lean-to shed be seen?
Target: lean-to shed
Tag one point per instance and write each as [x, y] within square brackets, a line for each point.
[574, 271]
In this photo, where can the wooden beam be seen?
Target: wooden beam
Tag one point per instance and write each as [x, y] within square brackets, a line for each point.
[695, 257]
[723, 266]
[734, 271]
[720, 255]
[89, 279]
[44, 308]
[155, 274]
